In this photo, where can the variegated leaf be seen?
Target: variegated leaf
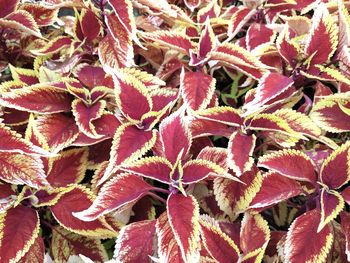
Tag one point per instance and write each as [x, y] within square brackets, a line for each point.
[240, 152]
[78, 199]
[135, 242]
[55, 131]
[22, 169]
[234, 56]
[129, 143]
[218, 244]
[65, 244]
[335, 170]
[168, 248]
[223, 114]
[121, 190]
[332, 203]
[85, 115]
[15, 244]
[234, 197]
[323, 36]
[171, 39]
[293, 164]
[254, 237]
[39, 98]
[275, 188]
[183, 216]
[197, 89]
[68, 168]
[175, 136]
[156, 168]
[298, 247]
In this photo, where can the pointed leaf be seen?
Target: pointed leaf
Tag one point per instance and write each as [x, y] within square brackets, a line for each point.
[219, 245]
[234, 197]
[22, 169]
[40, 98]
[135, 242]
[323, 36]
[275, 188]
[68, 168]
[335, 171]
[240, 59]
[56, 131]
[183, 216]
[255, 235]
[15, 244]
[129, 143]
[293, 164]
[129, 89]
[156, 168]
[175, 136]
[121, 190]
[171, 39]
[84, 115]
[332, 203]
[73, 201]
[65, 244]
[168, 249]
[298, 247]
[240, 152]
[224, 115]
[197, 89]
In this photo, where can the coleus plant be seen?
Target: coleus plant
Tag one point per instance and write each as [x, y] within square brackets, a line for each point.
[174, 131]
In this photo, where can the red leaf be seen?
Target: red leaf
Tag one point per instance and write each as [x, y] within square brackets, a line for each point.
[175, 136]
[56, 130]
[183, 216]
[40, 98]
[255, 235]
[323, 36]
[114, 53]
[270, 86]
[129, 89]
[240, 152]
[42, 15]
[12, 141]
[197, 89]
[7, 7]
[65, 244]
[15, 244]
[332, 203]
[298, 247]
[22, 169]
[90, 24]
[259, 34]
[225, 115]
[275, 188]
[23, 21]
[68, 168]
[85, 114]
[240, 59]
[234, 197]
[80, 198]
[156, 168]
[219, 245]
[171, 39]
[124, 12]
[290, 163]
[335, 171]
[135, 242]
[129, 143]
[168, 249]
[239, 17]
[121, 190]
[36, 253]
[54, 46]
[345, 225]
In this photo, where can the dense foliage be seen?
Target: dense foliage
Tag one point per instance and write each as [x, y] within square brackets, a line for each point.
[174, 131]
